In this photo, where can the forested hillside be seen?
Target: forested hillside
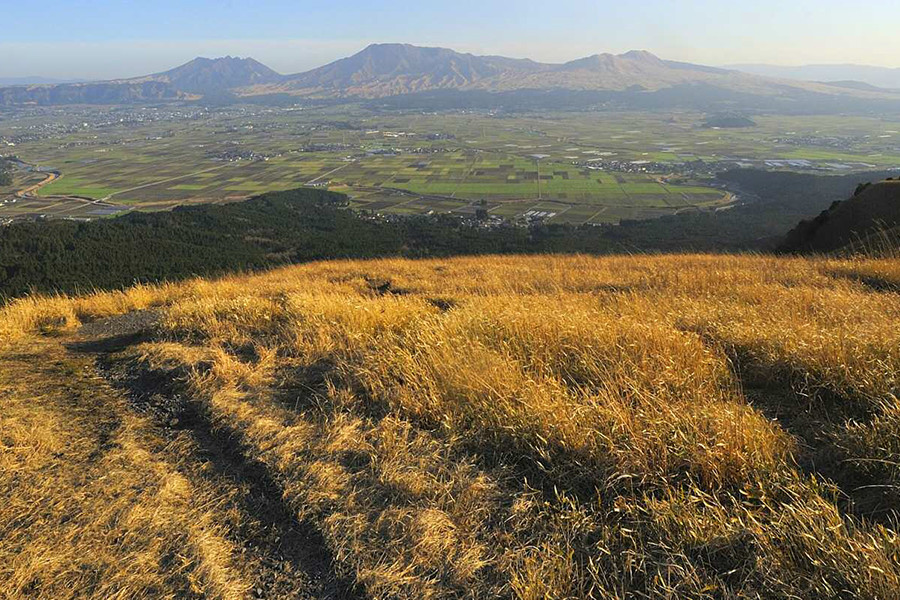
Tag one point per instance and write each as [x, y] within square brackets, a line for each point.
[305, 224]
[5, 172]
[278, 228]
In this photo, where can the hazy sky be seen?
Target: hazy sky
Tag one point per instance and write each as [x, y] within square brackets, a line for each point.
[120, 38]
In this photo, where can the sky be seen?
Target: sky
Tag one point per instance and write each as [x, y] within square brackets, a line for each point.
[102, 39]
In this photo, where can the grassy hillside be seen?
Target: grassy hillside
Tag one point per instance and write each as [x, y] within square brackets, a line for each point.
[516, 427]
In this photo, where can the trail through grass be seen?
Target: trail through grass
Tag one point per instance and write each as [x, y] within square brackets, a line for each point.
[552, 427]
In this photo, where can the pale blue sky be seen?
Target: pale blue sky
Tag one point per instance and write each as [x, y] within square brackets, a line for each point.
[118, 38]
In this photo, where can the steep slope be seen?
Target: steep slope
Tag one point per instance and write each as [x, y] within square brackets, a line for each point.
[851, 223]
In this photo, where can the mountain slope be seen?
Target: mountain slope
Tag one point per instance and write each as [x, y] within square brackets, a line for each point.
[392, 69]
[667, 426]
[635, 70]
[197, 78]
[385, 70]
[206, 75]
[854, 222]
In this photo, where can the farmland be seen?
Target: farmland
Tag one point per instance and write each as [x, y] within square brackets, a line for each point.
[59, 208]
[693, 426]
[21, 199]
[565, 167]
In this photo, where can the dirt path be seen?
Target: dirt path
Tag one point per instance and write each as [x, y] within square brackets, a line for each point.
[78, 393]
[85, 484]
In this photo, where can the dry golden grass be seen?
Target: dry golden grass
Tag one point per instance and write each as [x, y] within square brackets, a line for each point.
[557, 427]
[58, 314]
[90, 509]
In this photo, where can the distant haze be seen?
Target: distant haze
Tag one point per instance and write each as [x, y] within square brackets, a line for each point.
[878, 76]
[108, 39]
[33, 80]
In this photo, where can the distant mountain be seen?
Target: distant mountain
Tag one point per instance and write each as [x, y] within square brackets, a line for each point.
[193, 80]
[880, 77]
[635, 80]
[110, 92]
[857, 85]
[383, 70]
[206, 75]
[864, 222]
[637, 70]
[393, 69]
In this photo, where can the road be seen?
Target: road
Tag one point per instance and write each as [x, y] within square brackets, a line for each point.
[320, 177]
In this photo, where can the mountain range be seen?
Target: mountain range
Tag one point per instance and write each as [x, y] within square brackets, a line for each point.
[880, 77]
[384, 71]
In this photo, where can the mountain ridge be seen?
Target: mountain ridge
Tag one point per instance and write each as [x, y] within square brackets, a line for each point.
[407, 69]
[394, 70]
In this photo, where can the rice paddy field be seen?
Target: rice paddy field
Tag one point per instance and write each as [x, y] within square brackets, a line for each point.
[58, 208]
[553, 166]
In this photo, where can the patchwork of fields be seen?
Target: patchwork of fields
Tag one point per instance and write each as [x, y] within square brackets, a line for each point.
[511, 186]
[456, 181]
[584, 167]
[59, 208]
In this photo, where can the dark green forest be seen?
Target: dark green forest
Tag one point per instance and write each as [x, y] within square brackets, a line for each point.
[306, 224]
[273, 229]
[5, 173]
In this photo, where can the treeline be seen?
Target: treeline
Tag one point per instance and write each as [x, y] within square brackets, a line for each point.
[305, 224]
[6, 176]
[273, 229]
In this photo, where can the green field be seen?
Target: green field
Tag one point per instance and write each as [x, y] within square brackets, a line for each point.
[451, 162]
[77, 186]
